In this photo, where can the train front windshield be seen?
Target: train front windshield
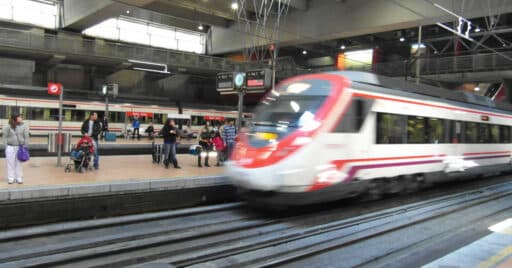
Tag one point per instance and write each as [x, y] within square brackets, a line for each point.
[291, 107]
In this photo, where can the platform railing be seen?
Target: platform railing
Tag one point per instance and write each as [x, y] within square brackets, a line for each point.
[55, 44]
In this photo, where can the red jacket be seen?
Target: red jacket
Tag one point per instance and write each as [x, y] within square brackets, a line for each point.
[219, 143]
[86, 139]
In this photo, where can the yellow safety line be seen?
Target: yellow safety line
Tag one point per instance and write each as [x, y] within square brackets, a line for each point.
[492, 261]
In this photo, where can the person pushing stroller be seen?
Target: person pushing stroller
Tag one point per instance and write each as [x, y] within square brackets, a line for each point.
[80, 156]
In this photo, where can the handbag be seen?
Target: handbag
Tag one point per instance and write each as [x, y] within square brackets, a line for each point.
[23, 154]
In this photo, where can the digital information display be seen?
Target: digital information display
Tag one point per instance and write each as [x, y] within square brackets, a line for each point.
[225, 82]
[258, 79]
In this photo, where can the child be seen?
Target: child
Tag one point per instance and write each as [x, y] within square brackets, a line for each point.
[219, 147]
[86, 141]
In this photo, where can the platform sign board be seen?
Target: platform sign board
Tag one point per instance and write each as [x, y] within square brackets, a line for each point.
[258, 80]
[225, 82]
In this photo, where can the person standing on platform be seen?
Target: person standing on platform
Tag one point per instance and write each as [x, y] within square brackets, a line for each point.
[205, 145]
[229, 135]
[136, 126]
[92, 128]
[15, 133]
[170, 134]
[104, 127]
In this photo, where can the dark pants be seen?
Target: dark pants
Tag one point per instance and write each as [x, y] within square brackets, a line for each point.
[138, 133]
[230, 146]
[170, 154]
[205, 148]
[96, 162]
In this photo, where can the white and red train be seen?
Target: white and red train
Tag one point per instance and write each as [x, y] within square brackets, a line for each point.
[41, 114]
[323, 137]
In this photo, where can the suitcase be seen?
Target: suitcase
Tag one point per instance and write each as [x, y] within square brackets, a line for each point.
[110, 136]
[157, 152]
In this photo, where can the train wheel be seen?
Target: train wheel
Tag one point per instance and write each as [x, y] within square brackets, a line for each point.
[375, 190]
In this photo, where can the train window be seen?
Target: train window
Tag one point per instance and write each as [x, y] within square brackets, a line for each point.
[116, 117]
[504, 134]
[54, 115]
[436, 130]
[34, 113]
[354, 117]
[416, 129]
[483, 133]
[455, 131]
[391, 128]
[470, 132]
[198, 120]
[77, 115]
[3, 111]
[495, 134]
[158, 118]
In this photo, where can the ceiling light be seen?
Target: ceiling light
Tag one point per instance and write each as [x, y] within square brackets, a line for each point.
[127, 11]
[477, 29]
[402, 39]
[234, 5]
[477, 88]
[343, 47]
[304, 52]
[200, 27]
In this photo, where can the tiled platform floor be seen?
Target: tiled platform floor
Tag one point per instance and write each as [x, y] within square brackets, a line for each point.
[42, 171]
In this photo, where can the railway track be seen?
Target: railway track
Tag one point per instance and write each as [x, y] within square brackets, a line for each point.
[375, 234]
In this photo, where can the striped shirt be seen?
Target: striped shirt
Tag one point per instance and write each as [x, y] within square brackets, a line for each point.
[229, 134]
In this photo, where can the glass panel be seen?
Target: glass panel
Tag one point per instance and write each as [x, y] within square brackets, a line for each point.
[77, 115]
[34, 113]
[35, 12]
[5, 9]
[436, 132]
[391, 129]
[495, 134]
[470, 132]
[107, 29]
[504, 134]
[416, 129]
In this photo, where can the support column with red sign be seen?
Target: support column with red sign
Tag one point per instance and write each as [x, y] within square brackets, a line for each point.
[57, 89]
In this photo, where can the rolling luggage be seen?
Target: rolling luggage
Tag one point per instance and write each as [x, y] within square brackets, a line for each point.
[110, 136]
[156, 152]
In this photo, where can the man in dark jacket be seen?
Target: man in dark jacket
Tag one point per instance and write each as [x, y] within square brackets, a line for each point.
[170, 133]
[92, 128]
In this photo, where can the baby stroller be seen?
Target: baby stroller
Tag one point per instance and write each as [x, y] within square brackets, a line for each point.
[80, 157]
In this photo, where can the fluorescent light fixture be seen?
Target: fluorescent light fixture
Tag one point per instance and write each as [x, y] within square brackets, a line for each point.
[416, 46]
[164, 71]
[152, 70]
[477, 88]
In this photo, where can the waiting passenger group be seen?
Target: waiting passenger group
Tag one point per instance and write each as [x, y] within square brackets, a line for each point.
[218, 139]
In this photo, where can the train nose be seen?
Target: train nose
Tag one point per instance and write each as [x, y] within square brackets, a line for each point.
[264, 179]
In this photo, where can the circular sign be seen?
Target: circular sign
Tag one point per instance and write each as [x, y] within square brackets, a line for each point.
[239, 79]
[54, 88]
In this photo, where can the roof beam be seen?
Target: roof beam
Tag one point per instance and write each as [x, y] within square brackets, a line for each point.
[327, 19]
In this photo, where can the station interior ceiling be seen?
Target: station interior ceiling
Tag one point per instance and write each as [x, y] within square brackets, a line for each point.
[377, 26]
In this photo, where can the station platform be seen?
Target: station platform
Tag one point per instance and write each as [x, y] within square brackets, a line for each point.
[117, 174]
[493, 250]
